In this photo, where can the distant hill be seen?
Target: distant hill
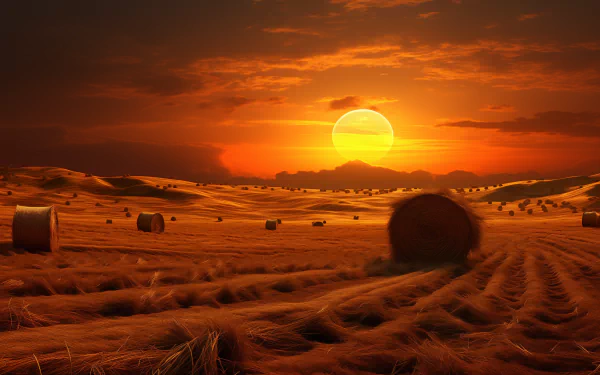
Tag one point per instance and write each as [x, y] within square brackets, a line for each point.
[359, 175]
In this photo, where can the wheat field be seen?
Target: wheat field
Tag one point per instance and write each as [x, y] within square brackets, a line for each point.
[209, 297]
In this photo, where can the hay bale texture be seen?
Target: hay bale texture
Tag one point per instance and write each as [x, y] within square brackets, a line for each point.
[590, 219]
[149, 222]
[35, 228]
[271, 224]
[433, 228]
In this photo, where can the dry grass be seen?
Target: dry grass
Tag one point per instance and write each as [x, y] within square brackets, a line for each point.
[225, 298]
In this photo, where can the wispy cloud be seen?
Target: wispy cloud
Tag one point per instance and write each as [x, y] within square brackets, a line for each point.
[578, 124]
[428, 15]
[354, 101]
[498, 108]
[528, 16]
[290, 30]
[365, 4]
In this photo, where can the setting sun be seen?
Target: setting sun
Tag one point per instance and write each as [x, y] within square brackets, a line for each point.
[364, 135]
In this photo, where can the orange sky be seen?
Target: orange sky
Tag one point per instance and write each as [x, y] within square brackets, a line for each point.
[484, 86]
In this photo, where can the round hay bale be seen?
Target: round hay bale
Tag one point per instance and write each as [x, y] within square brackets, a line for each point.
[68, 203]
[108, 221]
[278, 221]
[530, 211]
[500, 208]
[433, 228]
[169, 185]
[173, 218]
[35, 228]
[271, 225]
[174, 186]
[490, 202]
[503, 203]
[219, 219]
[149, 222]
[9, 193]
[75, 195]
[324, 221]
[544, 208]
[539, 202]
[98, 204]
[164, 188]
[128, 214]
[355, 217]
[590, 219]
[511, 213]
[317, 224]
[126, 209]
[157, 185]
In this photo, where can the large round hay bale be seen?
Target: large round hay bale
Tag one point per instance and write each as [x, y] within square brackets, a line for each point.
[590, 219]
[149, 222]
[433, 228]
[317, 224]
[271, 224]
[35, 228]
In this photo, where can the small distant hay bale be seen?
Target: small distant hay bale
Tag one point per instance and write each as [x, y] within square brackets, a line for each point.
[173, 218]
[9, 193]
[539, 202]
[530, 211]
[164, 188]
[108, 221]
[126, 209]
[317, 224]
[158, 185]
[549, 201]
[67, 203]
[355, 217]
[500, 208]
[511, 213]
[470, 190]
[555, 205]
[370, 194]
[324, 221]
[500, 185]
[490, 202]
[75, 195]
[478, 189]
[219, 219]
[305, 191]
[544, 208]
[150, 222]
[486, 188]
[271, 225]
[433, 228]
[503, 203]
[174, 186]
[128, 214]
[98, 204]
[272, 189]
[245, 188]
[590, 219]
[35, 228]
[574, 210]
[278, 221]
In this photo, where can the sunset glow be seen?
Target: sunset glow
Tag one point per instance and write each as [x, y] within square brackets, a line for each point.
[363, 135]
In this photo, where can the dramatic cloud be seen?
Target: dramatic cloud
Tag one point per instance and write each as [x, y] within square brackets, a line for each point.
[583, 124]
[231, 103]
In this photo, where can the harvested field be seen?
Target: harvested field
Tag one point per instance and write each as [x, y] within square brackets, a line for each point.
[230, 297]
